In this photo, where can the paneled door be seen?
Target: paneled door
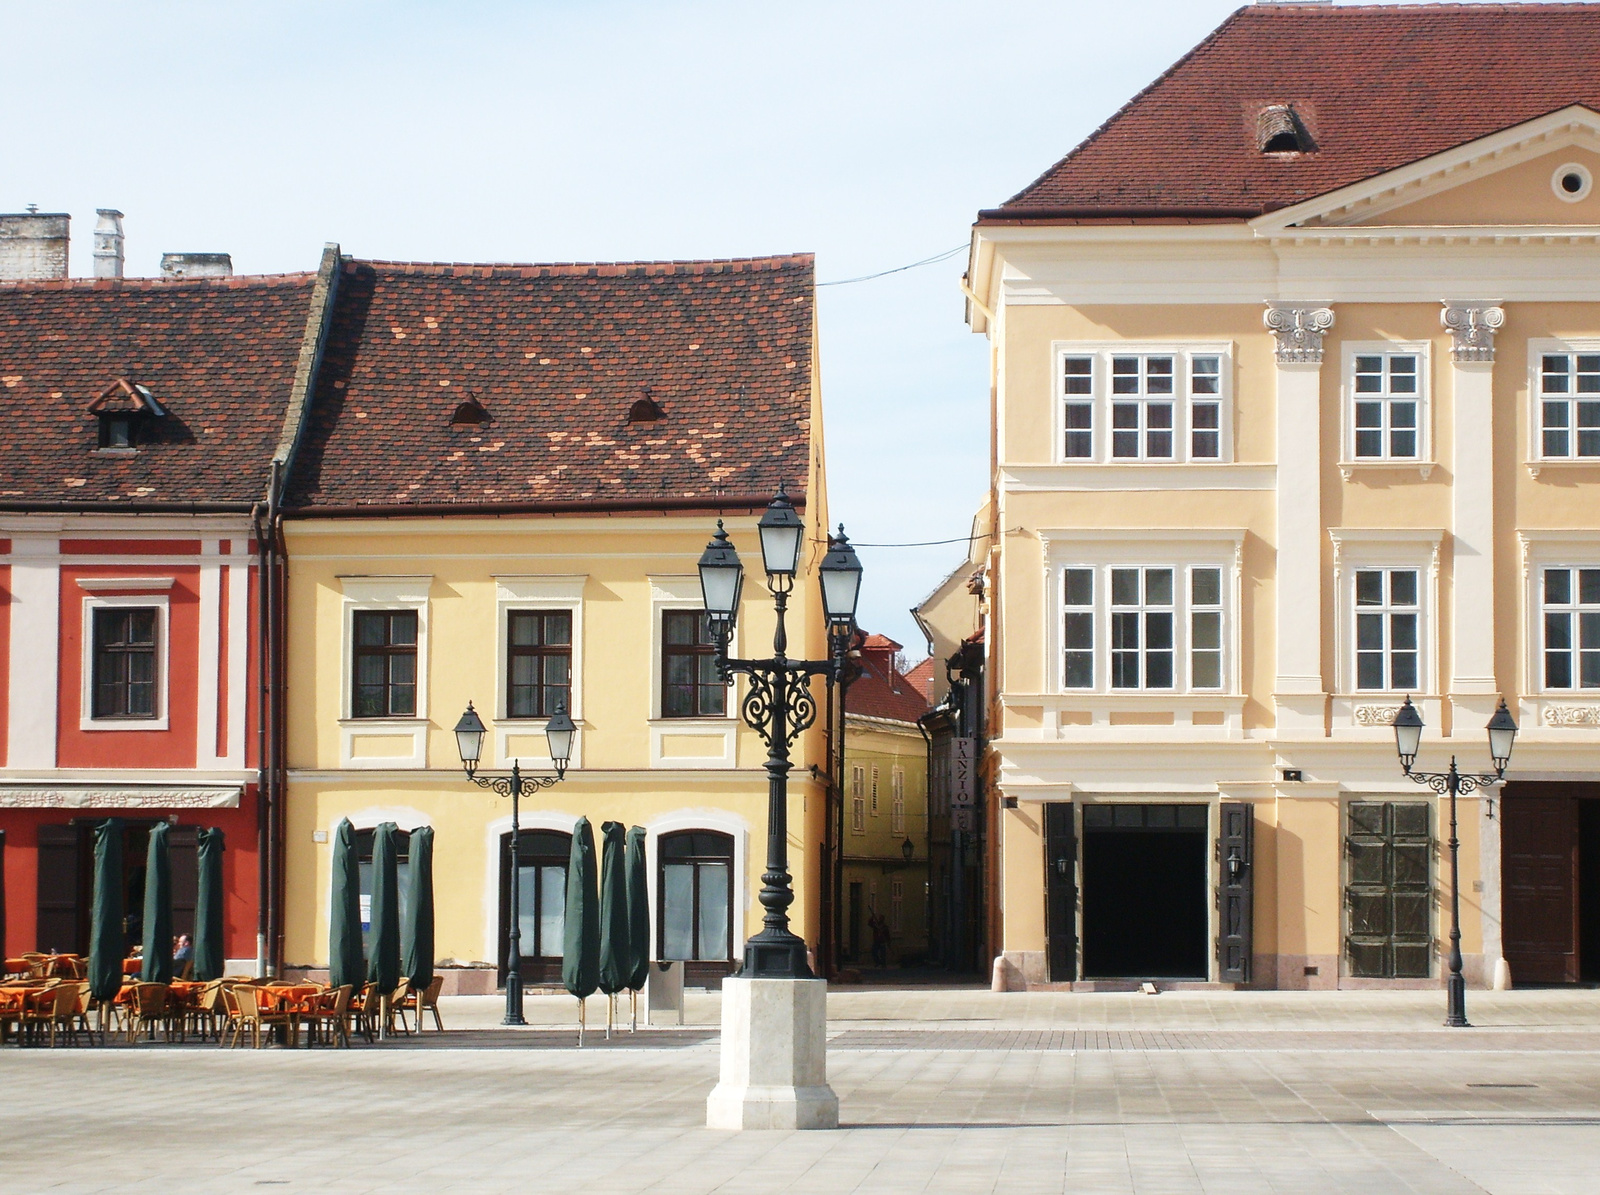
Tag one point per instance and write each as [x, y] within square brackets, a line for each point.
[1389, 895]
[1539, 869]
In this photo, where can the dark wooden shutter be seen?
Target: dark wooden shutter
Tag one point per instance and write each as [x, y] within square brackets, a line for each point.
[1236, 891]
[183, 852]
[59, 916]
[1061, 891]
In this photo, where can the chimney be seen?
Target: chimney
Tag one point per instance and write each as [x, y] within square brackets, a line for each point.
[33, 245]
[196, 265]
[108, 243]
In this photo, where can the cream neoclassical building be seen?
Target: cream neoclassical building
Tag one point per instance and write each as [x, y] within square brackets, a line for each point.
[1297, 388]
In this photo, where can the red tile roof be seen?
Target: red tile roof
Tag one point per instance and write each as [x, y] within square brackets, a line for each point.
[921, 678]
[218, 355]
[882, 690]
[557, 355]
[1376, 88]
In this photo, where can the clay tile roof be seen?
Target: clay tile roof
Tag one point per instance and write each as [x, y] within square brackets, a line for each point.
[881, 691]
[558, 355]
[217, 355]
[921, 677]
[1373, 87]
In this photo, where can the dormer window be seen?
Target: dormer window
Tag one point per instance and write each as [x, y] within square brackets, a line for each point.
[122, 410]
[470, 413]
[644, 411]
[1279, 130]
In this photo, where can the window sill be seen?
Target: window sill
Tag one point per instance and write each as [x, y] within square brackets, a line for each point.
[123, 723]
[1423, 469]
[405, 720]
[1562, 463]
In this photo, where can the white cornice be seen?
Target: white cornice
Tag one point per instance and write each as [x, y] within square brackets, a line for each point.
[1096, 478]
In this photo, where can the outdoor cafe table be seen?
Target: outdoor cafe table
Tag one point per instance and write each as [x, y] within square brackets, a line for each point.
[296, 1000]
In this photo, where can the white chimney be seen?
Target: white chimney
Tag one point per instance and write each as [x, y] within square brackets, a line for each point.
[108, 243]
[33, 246]
[197, 265]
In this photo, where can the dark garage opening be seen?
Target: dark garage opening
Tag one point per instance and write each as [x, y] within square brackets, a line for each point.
[1144, 892]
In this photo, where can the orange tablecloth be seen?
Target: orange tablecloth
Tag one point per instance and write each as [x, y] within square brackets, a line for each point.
[132, 966]
[300, 998]
[15, 999]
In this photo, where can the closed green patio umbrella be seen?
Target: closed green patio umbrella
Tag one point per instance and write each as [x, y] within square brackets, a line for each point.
[345, 962]
[108, 942]
[418, 962]
[156, 966]
[616, 953]
[638, 918]
[383, 936]
[580, 958]
[209, 896]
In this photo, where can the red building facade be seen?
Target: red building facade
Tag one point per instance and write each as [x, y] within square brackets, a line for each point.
[149, 422]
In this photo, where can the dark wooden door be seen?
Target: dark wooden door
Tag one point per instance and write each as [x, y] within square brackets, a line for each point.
[1061, 891]
[62, 918]
[1389, 895]
[183, 853]
[1235, 891]
[1539, 874]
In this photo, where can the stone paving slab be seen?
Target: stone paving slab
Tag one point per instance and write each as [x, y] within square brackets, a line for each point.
[1146, 1117]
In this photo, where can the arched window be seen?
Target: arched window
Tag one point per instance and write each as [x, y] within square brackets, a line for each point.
[542, 894]
[696, 896]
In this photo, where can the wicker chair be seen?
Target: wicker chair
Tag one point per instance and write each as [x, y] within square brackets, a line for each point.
[205, 1015]
[333, 1011]
[150, 1007]
[364, 1011]
[39, 1012]
[250, 1015]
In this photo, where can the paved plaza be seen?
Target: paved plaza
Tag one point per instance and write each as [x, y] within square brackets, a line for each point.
[940, 1090]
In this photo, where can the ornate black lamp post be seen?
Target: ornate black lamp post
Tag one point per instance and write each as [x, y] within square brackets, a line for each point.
[559, 732]
[778, 705]
[1407, 738]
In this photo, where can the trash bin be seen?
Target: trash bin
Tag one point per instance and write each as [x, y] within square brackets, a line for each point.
[663, 993]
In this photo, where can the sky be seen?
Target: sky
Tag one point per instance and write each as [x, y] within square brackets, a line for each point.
[867, 133]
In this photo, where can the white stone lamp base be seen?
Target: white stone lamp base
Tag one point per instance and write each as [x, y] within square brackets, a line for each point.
[774, 1057]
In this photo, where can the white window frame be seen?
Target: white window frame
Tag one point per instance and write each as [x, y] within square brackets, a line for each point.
[383, 593]
[160, 603]
[1100, 354]
[858, 800]
[683, 593]
[1424, 457]
[1574, 608]
[553, 592]
[897, 897]
[1537, 350]
[1356, 549]
[1183, 552]
[1386, 611]
[897, 800]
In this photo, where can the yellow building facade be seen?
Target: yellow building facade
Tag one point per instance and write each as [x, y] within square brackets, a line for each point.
[1284, 435]
[400, 614]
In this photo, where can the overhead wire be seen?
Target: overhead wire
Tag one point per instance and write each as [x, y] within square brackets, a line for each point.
[926, 261]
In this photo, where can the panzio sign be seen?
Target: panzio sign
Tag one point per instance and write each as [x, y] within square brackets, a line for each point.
[963, 784]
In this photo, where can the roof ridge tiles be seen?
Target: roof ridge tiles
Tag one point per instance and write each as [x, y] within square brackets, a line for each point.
[600, 269]
[235, 282]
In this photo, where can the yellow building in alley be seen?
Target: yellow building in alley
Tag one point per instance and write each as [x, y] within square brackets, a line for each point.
[507, 477]
[1296, 373]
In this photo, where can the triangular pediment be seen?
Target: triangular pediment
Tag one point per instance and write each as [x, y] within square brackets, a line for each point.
[1521, 177]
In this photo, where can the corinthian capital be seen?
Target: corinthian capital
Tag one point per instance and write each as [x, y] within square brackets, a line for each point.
[1299, 331]
[1472, 327]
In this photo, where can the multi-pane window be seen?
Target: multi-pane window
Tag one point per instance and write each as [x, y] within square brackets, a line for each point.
[858, 800]
[1571, 628]
[541, 891]
[1164, 627]
[1141, 628]
[1388, 630]
[1387, 406]
[1077, 631]
[124, 662]
[897, 801]
[1141, 407]
[1165, 406]
[897, 900]
[538, 663]
[1205, 628]
[385, 663]
[1569, 404]
[696, 896]
[874, 801]
[690, 686]
[1078, 390]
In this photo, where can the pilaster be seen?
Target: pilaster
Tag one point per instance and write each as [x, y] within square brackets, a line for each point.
[35, 647]
[1472, 685]
[1299, 690]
